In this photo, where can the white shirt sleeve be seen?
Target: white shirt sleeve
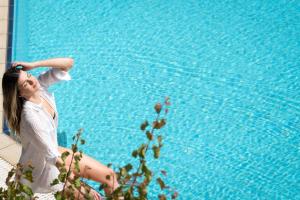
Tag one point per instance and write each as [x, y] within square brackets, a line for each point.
[39, 137]
[52, 76]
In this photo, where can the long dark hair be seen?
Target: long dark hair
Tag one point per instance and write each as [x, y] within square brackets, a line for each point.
[12, 102]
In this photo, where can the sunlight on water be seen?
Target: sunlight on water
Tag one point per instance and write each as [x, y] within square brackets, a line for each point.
[231, 69]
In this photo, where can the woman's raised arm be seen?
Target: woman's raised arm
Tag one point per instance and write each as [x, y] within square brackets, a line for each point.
[64, 64]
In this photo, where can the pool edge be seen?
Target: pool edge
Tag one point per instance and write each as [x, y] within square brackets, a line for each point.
[6, 20]
[6, 33]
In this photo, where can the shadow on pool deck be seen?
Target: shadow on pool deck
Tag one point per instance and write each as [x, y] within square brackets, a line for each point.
[10, 150]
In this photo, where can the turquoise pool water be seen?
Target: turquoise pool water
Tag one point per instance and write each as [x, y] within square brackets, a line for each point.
[231, 69]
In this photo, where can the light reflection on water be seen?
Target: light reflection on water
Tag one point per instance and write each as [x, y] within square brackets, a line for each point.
[231, 69]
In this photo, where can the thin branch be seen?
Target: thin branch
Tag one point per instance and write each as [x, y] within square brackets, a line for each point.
[73, 154]
[140, 165]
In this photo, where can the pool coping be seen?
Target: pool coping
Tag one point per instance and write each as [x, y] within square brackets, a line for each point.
[10, 150]
[4, 34]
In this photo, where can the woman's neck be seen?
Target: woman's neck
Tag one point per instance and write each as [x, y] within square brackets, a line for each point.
[35, 98]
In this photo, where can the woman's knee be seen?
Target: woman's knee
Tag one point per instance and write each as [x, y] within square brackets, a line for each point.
[112, 179]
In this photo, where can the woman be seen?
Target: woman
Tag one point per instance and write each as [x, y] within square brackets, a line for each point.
[31, 113]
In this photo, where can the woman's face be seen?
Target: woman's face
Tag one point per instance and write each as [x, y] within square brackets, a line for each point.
[27, 84]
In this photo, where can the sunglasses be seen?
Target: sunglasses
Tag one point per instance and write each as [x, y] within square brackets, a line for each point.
[14, 71]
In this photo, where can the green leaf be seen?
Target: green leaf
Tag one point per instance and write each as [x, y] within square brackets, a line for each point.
[88, 197]
[10, 174]
[157, 108]
[156, 151]
[161, 183]
[55, 182]
[27, 190]
[142, 190]
[82, 141]
[77, 168]
[64, 155]
[155, 124]
[134, 153]
[62, 176]
[58, 196]
[77, 157]
[142, 151]
[128, 195]
[74, 148]
[144, 125]
[28, 175]
[63, 169]
[77, 182]
[148, 173]
[30, 166]
[146, 170]
[162, 122]
[149, 135]
[158, 124]
[69, 173]
[72, 186]
[123, 172]
[128, 167]
[102, 186]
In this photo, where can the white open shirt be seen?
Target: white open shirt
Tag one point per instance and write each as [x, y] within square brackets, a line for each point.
[38, 131]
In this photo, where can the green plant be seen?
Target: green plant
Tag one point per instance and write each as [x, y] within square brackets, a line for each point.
[71, 182]
[15, 188]
[134, 183]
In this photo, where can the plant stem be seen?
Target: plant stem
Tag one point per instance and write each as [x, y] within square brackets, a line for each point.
[73, 154]
[140, 165]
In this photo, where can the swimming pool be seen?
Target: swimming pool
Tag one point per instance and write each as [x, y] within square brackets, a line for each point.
[231, 69]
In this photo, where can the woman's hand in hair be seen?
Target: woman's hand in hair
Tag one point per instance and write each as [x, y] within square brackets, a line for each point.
[26, 65]
[64, 64]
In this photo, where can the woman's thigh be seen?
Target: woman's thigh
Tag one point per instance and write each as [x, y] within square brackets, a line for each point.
[90, 168]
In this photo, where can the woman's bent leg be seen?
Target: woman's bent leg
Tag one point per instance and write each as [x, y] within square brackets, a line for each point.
[92, 169]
